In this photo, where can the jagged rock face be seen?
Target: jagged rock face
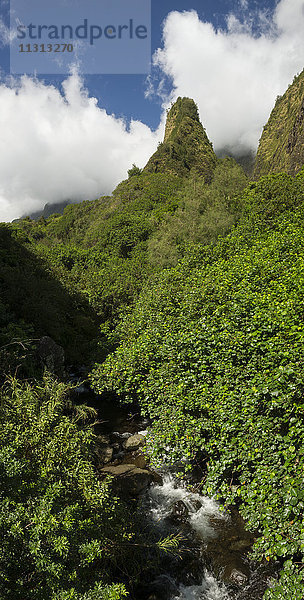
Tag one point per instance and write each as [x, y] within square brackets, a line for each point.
[186, 147]
[281, 146]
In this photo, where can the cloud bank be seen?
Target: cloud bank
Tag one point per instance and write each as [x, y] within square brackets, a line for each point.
[236, 74]
[57, 146]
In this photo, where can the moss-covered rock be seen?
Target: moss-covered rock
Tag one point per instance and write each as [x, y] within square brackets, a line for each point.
[186, 147]
[281, 146]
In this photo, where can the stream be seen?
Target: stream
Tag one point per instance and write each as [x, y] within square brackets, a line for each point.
[215, 565]
[172, 509]
[214, 562]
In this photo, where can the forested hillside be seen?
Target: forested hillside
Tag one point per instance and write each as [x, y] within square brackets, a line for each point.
[213, 351]
[181, 292]
[100, 252]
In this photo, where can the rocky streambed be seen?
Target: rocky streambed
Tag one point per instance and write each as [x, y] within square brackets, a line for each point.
[214, 562]
[120, 455]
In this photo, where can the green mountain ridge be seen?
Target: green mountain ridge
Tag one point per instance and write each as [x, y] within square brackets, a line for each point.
[103, 250]
[281, 146]
[183, 291]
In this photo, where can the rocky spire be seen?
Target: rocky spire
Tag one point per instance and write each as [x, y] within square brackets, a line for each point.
[186, 147]
[281, 146]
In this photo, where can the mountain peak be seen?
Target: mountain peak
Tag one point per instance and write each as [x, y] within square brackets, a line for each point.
[186, 147]
[281, 146]
[183, 108]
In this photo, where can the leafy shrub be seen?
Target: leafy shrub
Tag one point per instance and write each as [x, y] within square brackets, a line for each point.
[213, 351]
[61, 528]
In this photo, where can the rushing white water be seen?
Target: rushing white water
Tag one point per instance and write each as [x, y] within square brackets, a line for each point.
[200, 508]
[162, 499]
[209, 589]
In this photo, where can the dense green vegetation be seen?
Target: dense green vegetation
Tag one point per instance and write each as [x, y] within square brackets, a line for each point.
[204, 213]
[185, 287]
[213, 351]
[98, 254]
[64, 534]
[59, 538]
[98, 249]
[34, 302]
[66, 275]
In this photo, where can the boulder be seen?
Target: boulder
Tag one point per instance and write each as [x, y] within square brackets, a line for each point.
[134, 442]
[236, 577]
[135, 458]
[140, 461]
[51, 355]
[129, 480]
[179, 513]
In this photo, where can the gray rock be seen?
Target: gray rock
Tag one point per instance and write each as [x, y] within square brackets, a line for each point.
[134, 442]
[115, 435]
[128, 479]
[237, 578]
[118, 455]
[135, 458]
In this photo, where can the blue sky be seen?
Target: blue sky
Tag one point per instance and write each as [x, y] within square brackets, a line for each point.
[124, 95]
[75, 137]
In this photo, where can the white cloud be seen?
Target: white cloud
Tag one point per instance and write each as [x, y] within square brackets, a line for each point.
[234, 75]
[56, 146]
